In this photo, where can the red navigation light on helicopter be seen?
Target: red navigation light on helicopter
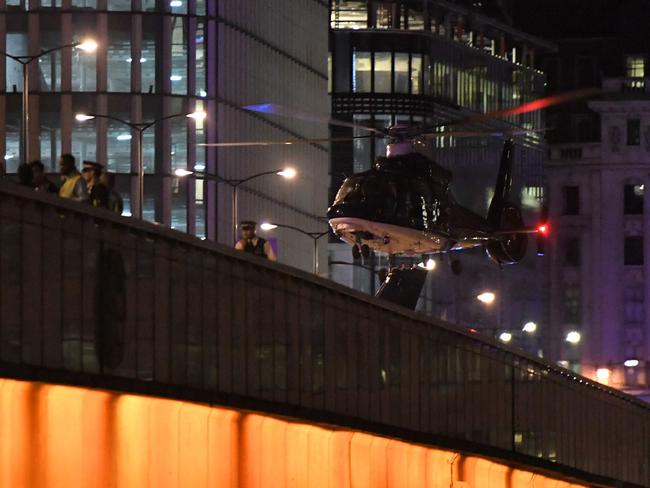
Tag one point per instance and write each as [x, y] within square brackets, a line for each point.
[544, 229]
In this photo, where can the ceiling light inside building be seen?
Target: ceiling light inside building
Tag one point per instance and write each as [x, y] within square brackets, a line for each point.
[9, 156]
[176, 3]
[175, 77]
[631, 363]
[124, 137]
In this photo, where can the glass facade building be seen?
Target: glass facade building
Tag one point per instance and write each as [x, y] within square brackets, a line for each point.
[152, 62]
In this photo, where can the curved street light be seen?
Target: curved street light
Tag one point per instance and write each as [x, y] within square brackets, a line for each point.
[140, 127]
[234, 183]
[88, 45]
[315, 236]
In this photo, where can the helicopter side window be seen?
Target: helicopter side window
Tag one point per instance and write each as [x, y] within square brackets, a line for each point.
[348, 186]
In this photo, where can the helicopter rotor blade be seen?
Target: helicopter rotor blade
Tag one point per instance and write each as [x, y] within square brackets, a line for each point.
[275, 109]
[482, 133]
[524, 108]
[294, 142]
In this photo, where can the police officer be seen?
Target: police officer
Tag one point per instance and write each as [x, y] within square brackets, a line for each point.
[252, 244]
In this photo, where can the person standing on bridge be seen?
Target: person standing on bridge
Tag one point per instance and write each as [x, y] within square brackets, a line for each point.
[252, 244]
[74, 186]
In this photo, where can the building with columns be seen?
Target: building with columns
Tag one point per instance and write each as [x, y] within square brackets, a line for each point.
[156, 59]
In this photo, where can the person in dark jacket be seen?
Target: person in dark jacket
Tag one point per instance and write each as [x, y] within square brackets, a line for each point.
[98, 192]
[40, 182]
[252, 244]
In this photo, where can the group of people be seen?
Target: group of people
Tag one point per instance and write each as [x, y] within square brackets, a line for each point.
[92, 185]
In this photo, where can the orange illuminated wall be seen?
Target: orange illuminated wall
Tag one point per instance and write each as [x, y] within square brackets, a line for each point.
[60, 436]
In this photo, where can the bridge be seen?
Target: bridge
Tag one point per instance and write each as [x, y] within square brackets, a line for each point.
[134, 355]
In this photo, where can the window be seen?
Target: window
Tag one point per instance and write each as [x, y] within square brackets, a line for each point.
[382, 72]
[633, 249]
[178, 75]
[635, 67]
[416, 74]
[401, 73]
[148, 55]
[572, 305]
[361, 72]
[572, 251]
[634, 306]
[118, 55]
[349, 14]
[571, 200]
[633, 199]
[633, 132]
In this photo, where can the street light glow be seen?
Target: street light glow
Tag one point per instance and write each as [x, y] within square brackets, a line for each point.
[603, 374]
[268, 226]
[429, 265]
[573, 337]
[287, 173]
[83, 117]
[505, 337]
[631, 363]
[197, 115]
[182, 172]
[486, 297]
[529, 327]
[88, 45]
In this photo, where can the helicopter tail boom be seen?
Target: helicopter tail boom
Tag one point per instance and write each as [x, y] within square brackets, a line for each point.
[502, 187]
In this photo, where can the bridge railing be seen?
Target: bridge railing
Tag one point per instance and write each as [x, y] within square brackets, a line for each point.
[86, 293]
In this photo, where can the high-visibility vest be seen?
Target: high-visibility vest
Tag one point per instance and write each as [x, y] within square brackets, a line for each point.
[67, 188]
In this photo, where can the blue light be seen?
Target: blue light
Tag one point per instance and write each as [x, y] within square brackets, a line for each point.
[263, 107]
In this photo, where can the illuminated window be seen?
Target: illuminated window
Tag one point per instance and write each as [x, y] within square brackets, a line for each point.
[382, 72]
[401, 73]
[571, 200]
[119, 5]
[416, 74]
[199, 39]
[118, 55]
[635, 72]
[384, 16]
[633, 199]
[349, 14]
[635, 67]
[633, 251]
[633, 132]
[148, 54]
[84, 65]
[49, 66]
[178, 75]
[361, 72]
[118, 144]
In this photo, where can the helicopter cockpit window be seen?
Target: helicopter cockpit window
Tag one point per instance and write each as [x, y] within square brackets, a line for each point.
[379, 195]
[348, 192]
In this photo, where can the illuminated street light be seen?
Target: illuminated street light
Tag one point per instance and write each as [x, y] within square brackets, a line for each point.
[315, 236]
[631, 363]
[486, 297]
[603, 374]
[140, 127]
[88, 45]
[430, 264]
[505, 337]
[529, 327]
[573, 337]
[287, 173]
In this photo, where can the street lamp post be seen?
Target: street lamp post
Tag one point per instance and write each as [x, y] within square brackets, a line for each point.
[315, 236]
[25, 60]
[234, 184]
[140, 127]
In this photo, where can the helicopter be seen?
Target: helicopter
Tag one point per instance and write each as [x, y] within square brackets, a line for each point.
[403, 204]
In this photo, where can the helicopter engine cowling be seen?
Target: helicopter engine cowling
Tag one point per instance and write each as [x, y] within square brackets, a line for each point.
[508, 248]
